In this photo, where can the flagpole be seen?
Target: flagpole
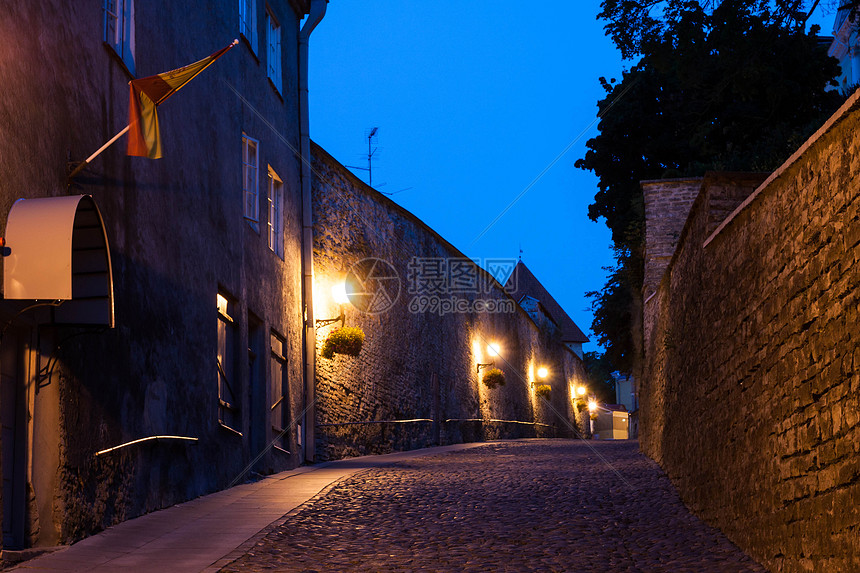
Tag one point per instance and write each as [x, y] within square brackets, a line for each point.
[235, 42]
[86, 161]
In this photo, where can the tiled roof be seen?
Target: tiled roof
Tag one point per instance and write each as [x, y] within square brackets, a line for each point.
[523, 283]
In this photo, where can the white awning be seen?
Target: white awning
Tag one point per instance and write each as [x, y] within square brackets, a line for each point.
[59, 251]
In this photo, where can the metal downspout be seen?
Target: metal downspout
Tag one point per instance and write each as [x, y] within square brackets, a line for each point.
[317, 12]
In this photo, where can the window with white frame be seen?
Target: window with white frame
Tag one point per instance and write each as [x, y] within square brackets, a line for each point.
[251, 180]
[276, 213]
[247, 22]
[119, 29]
[273, 50]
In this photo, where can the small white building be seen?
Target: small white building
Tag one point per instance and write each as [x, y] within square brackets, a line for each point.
[625, 392]
[846, 47]
[610, 424]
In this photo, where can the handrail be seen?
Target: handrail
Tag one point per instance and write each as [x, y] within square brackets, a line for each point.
[495, 420]
[431, 420]
[141, 440]
[377, 422]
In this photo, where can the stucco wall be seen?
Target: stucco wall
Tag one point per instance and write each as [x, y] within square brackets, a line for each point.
[177, 236]
[417, 363]
[750, 398]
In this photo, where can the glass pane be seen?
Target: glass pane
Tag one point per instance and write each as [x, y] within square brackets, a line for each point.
[222, 342]
[249, 205]
[277, 344]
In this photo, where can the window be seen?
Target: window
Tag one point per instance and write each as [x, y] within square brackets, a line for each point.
[273, 50]
[229, 414]
[278, 387]
[119, 29]
[276, 213]
[247, 24]
[250, 162]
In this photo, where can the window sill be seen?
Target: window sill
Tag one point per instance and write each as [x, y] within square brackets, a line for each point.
[253, 224]
[250, 45]
[229, 429]
[276, 88]
[113, 53]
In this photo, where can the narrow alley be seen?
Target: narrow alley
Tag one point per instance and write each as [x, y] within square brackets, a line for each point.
[547, 505]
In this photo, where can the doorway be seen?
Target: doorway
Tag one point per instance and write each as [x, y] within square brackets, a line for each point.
[13, 443]
[256, 387]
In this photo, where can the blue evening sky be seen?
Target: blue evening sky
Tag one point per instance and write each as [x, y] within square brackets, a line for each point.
[474, 100]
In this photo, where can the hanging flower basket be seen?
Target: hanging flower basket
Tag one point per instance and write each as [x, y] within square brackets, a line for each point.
[494, 377]
[346, 340]
[544, 391]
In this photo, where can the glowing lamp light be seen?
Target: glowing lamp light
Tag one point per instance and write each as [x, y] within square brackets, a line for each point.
[338, 293]
[542, 372]
[592, 405]
[493, 349]
[581, 390]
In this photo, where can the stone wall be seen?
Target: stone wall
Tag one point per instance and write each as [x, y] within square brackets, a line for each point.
[667, 204]
[420, 361]
[750, 398]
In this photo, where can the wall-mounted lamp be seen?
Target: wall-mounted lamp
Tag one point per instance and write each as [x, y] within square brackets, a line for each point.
[493, 351]
[581, 390]
[542, 372]
[592, 405]
[338, 293]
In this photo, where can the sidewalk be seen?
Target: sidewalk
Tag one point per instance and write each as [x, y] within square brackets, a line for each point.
[207, 533]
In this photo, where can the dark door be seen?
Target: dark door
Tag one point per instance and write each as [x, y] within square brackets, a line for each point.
[256, 387]
[13, 450]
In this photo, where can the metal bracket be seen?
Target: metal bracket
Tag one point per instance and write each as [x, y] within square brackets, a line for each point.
[487, 365]
[326, 321]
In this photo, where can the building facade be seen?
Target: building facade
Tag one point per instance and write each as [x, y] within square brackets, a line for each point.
[196, 354]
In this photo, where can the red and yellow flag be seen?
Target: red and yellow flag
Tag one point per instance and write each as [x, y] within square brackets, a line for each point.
[145, 96]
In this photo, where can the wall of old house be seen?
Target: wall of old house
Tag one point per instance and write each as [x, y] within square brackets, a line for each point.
[177, 236]
[750, 398]
[420, 361]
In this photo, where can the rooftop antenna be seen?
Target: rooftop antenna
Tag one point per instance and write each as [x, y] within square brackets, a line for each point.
[370, 153]
[521, 252]
[371, 135]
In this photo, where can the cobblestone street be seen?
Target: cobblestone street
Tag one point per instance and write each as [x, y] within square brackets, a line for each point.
[549, 505]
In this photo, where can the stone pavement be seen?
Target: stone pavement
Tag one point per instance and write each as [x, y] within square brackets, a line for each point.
[197, 535]
[527, 505]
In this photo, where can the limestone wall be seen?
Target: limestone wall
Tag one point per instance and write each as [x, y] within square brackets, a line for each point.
[419, 361]
[667, 204]
[750, 398]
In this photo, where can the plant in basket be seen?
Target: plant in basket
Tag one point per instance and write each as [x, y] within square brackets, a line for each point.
[494, 377]
[346, 340]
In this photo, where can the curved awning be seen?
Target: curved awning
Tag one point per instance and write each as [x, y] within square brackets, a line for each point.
[59, 251]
